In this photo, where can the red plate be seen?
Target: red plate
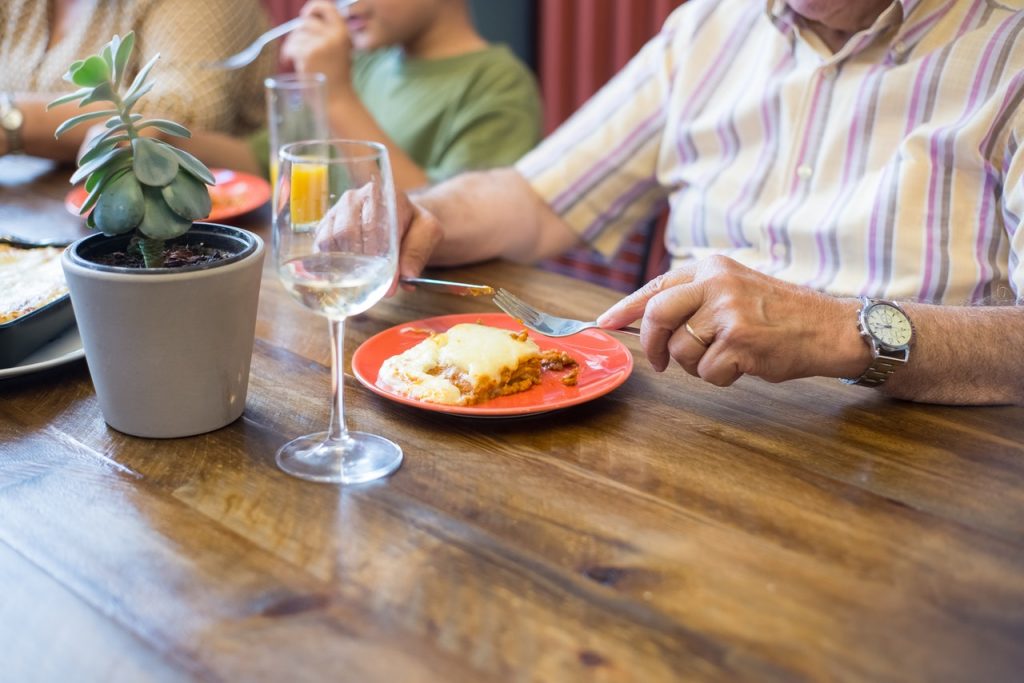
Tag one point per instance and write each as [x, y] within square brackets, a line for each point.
[604, 364]
[234, 194]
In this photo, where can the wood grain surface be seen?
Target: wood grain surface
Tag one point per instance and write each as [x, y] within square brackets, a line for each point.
[668, 531]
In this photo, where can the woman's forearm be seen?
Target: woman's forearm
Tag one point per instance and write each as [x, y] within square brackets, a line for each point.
[40, 124]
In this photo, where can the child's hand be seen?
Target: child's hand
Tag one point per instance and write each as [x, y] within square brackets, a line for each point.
[321, 44]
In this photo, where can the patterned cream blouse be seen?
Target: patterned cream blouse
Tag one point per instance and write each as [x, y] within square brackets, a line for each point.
[186, 33]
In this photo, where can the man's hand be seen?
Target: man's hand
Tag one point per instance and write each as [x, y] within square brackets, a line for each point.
[352, 225]
[321, 44]
[751, 323]
[419, 234]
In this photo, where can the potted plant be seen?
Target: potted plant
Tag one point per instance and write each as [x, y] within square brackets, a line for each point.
[166, 307]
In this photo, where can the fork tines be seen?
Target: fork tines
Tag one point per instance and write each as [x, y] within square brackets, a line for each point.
[515, 307]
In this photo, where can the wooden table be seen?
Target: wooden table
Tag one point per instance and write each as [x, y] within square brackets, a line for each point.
[668, 531]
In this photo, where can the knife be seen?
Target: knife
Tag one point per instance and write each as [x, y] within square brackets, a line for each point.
[459, 288]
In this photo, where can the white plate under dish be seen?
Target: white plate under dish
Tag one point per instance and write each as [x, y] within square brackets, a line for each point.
[64, 349]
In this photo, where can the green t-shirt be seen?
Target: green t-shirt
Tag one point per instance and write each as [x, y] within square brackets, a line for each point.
[473, 111]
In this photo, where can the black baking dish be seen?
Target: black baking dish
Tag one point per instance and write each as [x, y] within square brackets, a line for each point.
[25, 334]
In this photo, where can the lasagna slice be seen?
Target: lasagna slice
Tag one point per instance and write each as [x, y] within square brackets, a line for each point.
[466, 365]
[29, 280]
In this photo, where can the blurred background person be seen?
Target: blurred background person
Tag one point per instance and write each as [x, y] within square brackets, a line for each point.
[414, 75]
[39, 38]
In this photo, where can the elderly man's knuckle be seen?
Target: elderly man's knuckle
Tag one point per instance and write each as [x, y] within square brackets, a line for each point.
[740, 340]
[691, 366]
[658, 312]
[749, 364]
[724, 304]
[717, 263]
[658, 284]
[725, 335]
[722, 373]
[677, 347]
[428, 225]
[727, 282]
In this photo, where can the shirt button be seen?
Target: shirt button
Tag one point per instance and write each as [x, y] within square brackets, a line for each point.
[899, 47]
[803, 172]
[778, 250]
[828, 72]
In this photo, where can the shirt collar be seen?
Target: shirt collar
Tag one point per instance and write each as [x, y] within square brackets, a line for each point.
[780, 15]
[777, 9]
[909, 6]
[785, 20]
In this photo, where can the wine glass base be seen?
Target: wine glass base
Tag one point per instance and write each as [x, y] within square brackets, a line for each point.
[361, 458]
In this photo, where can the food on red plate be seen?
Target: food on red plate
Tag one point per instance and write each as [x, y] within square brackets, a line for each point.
[470, 364]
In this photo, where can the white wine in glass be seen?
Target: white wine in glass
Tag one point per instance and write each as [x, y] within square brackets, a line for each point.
[336, 251]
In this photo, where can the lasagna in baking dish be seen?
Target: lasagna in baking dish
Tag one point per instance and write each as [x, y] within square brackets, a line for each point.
[469, 364]
[29, 280]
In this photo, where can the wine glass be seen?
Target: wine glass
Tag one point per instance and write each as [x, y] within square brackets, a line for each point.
[336, 250]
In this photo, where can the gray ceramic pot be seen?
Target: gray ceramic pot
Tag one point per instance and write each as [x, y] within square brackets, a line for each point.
[168, 348]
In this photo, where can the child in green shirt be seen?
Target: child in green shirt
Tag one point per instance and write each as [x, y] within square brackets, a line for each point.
[416, 76]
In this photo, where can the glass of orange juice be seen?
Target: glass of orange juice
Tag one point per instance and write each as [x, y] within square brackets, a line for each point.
[296, 111]
[308, 199]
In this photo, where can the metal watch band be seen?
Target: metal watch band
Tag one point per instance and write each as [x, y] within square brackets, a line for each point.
[14, 145]
[879, 370]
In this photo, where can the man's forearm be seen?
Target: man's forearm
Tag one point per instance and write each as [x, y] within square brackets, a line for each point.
[963, 355]
[490, 214]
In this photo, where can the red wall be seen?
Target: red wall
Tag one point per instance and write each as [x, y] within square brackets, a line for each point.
[582, 43]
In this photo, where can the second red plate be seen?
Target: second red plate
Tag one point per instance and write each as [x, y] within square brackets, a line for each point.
[234, 194]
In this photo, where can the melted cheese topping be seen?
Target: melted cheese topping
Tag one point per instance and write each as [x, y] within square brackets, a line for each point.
[29, 279]
[467, 364]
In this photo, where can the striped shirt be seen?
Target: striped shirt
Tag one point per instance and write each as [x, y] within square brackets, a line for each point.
[890, 168]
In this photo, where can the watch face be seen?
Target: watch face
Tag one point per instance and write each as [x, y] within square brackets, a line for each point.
[12, 119]
[889, 325]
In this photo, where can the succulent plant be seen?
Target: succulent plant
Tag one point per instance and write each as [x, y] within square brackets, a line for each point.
[134, 182]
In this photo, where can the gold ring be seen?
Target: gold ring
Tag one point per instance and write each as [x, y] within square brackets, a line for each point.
[695, 335]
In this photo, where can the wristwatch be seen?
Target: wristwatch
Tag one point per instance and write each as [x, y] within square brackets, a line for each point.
[11, 120]
[888, 332]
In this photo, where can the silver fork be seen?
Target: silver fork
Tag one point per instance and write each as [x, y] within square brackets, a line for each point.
[246, 56]
[16, 241]
[545, 323]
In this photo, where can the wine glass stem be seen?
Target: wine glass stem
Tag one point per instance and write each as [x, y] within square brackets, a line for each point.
[337, 431]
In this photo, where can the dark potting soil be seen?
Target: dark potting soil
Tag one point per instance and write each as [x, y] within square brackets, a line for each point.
[175, 256]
